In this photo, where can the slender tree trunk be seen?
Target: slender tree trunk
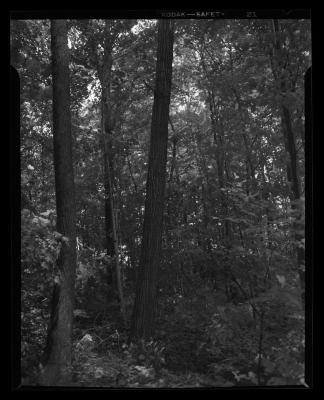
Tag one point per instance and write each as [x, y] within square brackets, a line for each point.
[205, 196]
[58, 350]
[173, 161]
[169, 214]
[218, 135]
[111, 230]
[146, 290]
[107, 129]
[104, 68]
[107, 125]
[108, 171]
[250, 168]
[132, 175]
[260, 346]
[290, 147]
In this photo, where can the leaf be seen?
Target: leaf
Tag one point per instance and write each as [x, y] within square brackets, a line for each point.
[47, 213]
[99, 372]
[252, 377]
[43, 221]
[101, 256]
[57, 235]
[80, 313]
[281, 279]
[44, 265]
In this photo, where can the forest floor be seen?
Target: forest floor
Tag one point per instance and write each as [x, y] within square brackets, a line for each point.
[106, 360]
[111, 372]
[181, 356]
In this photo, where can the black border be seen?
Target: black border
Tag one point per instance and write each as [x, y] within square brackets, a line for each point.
[161, 13]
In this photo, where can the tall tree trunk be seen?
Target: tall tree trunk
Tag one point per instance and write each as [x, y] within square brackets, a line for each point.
[104, 69]
[108, 174]
[107, 130]
[112, 218]
[145, 300]
[168, 218]
[58, 350]
[204, 240]
[250, 169]
[290, 147]
[218, 135]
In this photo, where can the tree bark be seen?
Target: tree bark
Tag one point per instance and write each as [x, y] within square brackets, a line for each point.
[218, 136]
[290, 147]
[169, 215]
[58, 350]
[104, 69]
[112, 217]
[250, 168]
[107, 129]
[146, 288]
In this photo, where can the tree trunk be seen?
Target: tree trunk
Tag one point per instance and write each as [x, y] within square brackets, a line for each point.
[204, 240]
[111, 217]
[218, 136]
[169, 220]
[290, 147]
[107, 125]
[58, 350]
[250, 168]
[145, 300]
[107, 129]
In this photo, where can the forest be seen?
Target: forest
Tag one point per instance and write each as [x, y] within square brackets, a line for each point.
[162, 170]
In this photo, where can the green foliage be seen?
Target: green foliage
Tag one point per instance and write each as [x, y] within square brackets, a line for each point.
[40, 249]
[148, 354]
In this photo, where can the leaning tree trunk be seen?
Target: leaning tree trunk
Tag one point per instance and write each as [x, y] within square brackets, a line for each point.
[57, 357]
[147, 274]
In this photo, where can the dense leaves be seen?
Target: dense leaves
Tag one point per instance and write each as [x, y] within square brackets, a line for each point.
[229, 306]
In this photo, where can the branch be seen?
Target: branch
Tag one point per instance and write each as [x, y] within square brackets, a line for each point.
[247, 297]
[131, 174]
